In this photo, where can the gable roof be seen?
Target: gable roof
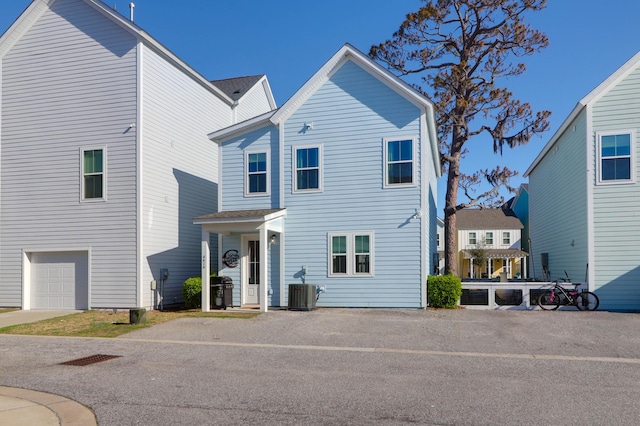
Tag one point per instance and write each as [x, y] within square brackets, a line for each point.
[476, 219]
[38, 7]
[237, 87]
[592, 97]
[346, 53]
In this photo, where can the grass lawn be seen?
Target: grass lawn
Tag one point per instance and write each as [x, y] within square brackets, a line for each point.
[102, 323]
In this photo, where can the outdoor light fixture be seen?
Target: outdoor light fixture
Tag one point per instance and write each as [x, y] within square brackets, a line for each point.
[272, 240]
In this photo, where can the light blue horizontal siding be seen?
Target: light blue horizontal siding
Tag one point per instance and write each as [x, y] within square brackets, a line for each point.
[351, 115]
[615, 207]
[233, 170]
[69, 82]
[558, 205]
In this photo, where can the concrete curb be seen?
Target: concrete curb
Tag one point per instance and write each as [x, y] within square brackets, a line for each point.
[28, 407]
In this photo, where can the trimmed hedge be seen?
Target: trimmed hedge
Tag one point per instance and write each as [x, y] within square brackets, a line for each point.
[192, 292]
[444, 291]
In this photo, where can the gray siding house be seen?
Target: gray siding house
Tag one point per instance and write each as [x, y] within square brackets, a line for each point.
[104, 160]
[584, 194]
[336, 188]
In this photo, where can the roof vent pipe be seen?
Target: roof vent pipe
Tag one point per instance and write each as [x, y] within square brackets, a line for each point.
[131, 7]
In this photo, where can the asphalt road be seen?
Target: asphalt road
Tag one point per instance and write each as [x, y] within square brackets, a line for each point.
[350, 367]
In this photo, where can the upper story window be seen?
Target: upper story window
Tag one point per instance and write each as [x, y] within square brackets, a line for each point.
[615, 157]
[257, 178]
[438, 240]
[93, 174]
[488, 238]
[506, 238]
[351, 253]
[399, 162]
[473, 239]
[307, 168]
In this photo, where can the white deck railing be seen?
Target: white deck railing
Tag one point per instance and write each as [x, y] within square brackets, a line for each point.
[504, 295]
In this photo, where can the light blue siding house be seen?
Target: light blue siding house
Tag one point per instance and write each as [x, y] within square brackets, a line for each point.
[584, 194]
[336, 188]
[104, 160]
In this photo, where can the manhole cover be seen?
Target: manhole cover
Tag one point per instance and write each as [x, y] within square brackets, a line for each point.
[90, 360]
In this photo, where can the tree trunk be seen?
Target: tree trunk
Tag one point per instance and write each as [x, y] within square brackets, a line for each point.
[450, 205]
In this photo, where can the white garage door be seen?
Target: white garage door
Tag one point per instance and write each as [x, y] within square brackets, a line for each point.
[59, 280]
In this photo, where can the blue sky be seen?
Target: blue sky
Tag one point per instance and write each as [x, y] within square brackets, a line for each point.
[290, 39]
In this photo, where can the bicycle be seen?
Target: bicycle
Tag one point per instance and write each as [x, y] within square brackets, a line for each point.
[583, 300]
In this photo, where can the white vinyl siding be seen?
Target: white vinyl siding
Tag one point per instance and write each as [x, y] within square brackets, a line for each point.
[179, 172]
[69, 82]
[252, 104]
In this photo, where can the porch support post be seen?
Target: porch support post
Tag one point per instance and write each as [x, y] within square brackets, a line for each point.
[206, 269]
[264, 269]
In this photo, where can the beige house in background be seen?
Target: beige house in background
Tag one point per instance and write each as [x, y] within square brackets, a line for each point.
[499, 233]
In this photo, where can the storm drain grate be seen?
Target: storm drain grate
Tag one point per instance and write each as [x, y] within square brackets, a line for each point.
[90, 360]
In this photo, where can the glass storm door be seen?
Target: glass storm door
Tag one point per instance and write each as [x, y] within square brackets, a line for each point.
[252, 272]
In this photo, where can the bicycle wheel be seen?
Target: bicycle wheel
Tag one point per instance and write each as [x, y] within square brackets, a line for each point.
[549, 301]
[587, 301]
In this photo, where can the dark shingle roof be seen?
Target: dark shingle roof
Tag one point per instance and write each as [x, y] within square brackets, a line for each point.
[236, 87]
[487, 219]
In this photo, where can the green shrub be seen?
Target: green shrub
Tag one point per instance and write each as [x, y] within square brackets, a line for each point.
[192, 292]
[444, 291]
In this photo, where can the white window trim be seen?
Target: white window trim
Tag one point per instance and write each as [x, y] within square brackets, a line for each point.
[475, 237]
[632, 155]
[486, 238]
[414, 160]
[508, 235]
[104, 173]
[294, 168]
[246, 173]
[351, 254]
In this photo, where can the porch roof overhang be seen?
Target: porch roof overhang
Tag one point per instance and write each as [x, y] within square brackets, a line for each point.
[499, 254]
[239, 220]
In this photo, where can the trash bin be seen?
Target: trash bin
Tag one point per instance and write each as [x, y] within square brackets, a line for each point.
[221, 292]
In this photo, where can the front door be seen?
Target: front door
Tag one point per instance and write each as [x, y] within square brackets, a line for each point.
[251, 270]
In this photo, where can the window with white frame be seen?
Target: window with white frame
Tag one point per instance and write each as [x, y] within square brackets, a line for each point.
[257, 173]
[473, 239]
[350, 253]
[488, 238]
[93, 174]
[506, 238]
[400, 162]
[615, 157]
[307, 168]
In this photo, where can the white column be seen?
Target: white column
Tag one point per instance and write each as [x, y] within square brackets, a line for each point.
[206, 270]
[264, 269]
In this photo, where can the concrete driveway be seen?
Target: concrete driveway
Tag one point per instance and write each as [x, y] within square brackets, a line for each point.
[350, 367]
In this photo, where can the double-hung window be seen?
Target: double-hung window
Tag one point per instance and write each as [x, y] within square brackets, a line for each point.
[615, 157]
[473, 239]
[257, 177]
[399, 162]
[93, 174]
[488, 238]
[506, 238]
[307, 174]
[351, 254]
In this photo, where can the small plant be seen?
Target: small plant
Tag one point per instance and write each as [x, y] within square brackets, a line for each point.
[192, 292]
[444, 291]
